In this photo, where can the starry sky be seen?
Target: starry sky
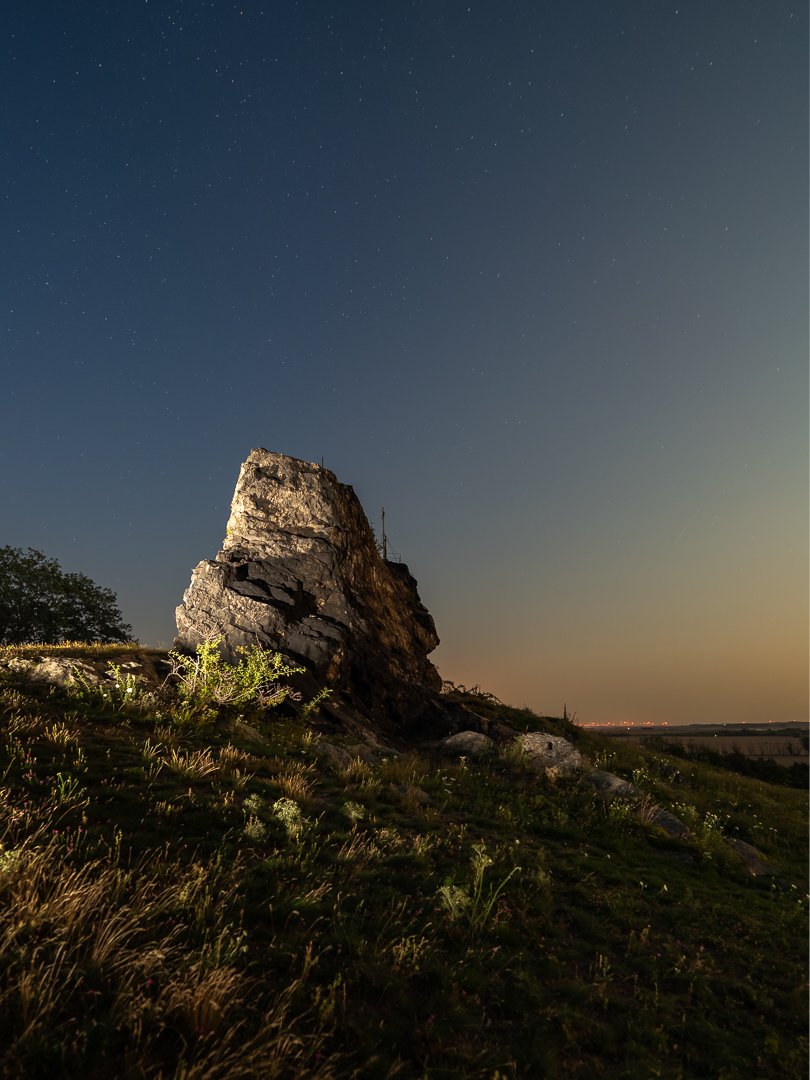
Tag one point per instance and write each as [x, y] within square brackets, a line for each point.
[533, 276]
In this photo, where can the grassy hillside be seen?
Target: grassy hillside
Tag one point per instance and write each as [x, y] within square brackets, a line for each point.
[177, 902]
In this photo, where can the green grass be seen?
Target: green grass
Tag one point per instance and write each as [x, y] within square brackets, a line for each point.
[159, 918]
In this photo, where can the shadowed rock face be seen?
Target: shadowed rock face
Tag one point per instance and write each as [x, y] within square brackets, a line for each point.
[300, 573]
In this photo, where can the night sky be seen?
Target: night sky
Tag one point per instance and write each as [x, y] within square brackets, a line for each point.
[533, 276]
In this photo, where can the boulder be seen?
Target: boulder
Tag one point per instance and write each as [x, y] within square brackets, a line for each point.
[608, 784]
[683, 857]
[360, 750]
[300, 573]
[551, 754]
[755, 862]
[240, 730]
[412, 794]
[342, 756]
[668, 822]
[336, 754]
[466, 743]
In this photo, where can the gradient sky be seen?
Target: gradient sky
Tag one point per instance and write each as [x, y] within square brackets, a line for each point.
[533, 276]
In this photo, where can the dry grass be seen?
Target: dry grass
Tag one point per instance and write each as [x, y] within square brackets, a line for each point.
[645, 810]
[12, 698]
[100, 944]
[231, 759]
[95, 650]
[360, 848]
[297, 780]
[201, 764]
[192, 765]
[167, 736]
[18, 722]
[61, 735]
[354, 774]
[408, 769]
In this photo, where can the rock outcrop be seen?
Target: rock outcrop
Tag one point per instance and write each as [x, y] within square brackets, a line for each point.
[149, 671]
[300, 573]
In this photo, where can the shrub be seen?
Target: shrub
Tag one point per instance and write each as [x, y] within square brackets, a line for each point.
[288, 813]
[206, 679]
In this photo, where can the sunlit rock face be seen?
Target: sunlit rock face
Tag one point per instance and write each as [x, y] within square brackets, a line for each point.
[300, 573]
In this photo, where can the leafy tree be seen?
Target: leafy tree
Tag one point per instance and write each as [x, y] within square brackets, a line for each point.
[40, 603]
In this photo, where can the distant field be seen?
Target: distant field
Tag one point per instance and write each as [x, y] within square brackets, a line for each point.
[783, 750]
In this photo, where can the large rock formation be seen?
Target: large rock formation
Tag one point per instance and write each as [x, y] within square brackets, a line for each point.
[300, 573]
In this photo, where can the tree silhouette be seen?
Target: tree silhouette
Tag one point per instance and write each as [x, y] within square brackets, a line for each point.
[40, 603]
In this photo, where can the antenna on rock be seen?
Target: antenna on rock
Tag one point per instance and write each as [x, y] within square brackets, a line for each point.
[384, 538]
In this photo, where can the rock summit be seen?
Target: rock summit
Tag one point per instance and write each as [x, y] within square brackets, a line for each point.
[300, 573]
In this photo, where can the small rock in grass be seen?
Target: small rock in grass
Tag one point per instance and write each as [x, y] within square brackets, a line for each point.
[466, 743]
[362, 751]
[608, 784]
[754, 860]
[247, 732]
[682, 857]
[613, 786]
[668, 822]
[415, 793]
[336, 754]
[671, 773]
